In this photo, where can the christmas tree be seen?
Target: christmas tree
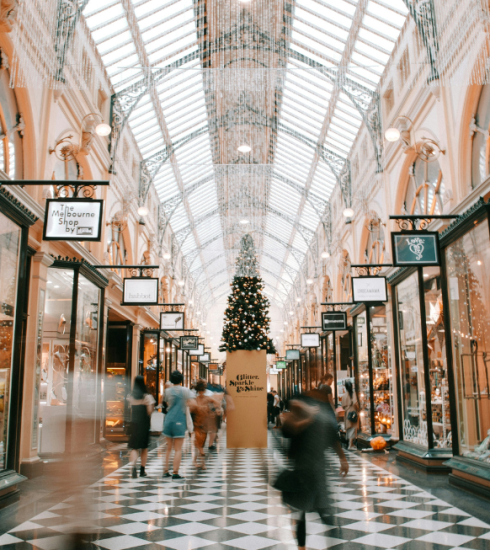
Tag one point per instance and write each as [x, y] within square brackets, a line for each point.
[247, 316]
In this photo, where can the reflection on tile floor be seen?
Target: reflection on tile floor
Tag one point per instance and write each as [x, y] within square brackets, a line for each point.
[232, 506]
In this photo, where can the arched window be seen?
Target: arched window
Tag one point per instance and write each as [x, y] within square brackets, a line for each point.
[425, 189]
[10, 141]
[345, 276]
[374, 252]
[116, 247]
[480, 126]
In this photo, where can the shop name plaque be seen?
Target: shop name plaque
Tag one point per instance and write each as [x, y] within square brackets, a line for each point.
[197, 351]
[369, 289]
[310, 340]
[334, 320]
[189, 343]
[416, 248]
[292, 355]
[140, 291]
[280, 365]
[73, 220]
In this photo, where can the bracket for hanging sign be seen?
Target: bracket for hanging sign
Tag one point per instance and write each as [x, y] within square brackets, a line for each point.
[337, 305]
[420, 222]
[310, 328]
[85, 187]
[369, 270]
[145, 270]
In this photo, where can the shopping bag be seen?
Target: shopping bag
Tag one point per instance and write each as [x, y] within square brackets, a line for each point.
[190, 423]
[156, 424]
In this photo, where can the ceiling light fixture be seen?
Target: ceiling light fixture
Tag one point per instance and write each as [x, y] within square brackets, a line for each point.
[167, 256]
[244, 222]
[103, 129]
[348, 213]
[298, 300]
[309, 281]
[244, 148]
[143, 211]
[181, 283]
[291, 313]
[392, 134]
[325, 254]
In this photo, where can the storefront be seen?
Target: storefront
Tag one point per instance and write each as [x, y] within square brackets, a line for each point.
[336, 352]
[425, 382]
[466, 261]
[118, 378]
[69, 388]
[14, 276]
[372, 373]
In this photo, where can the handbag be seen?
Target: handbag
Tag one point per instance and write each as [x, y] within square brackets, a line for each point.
[352, 416]
[189, 422]
[156, 423]
[296, 491]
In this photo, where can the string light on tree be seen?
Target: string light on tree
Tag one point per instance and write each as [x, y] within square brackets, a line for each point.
[247, 322]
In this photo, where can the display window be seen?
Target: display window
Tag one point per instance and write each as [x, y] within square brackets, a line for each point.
[150, 362]
[69, 386]
[467, 266]
[423, 368]
[362, 386]
[10, 240]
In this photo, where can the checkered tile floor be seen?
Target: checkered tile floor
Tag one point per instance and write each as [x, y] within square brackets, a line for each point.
[232, 506]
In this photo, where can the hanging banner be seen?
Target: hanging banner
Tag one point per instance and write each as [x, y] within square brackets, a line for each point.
[189, 343]
[415, 248]
[369, 289]
[205, 358]
[280, 365]
[172, 320]
[73, 220]
[140, 291]
[334, 320]
[292, 355]
[310, 340]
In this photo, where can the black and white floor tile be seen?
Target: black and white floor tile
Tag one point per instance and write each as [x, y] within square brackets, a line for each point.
[232, 506]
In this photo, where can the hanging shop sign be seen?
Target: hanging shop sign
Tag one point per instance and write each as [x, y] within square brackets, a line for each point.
[310, 340]
[205, 358]
[189, 343]
[334, 320]
[280, 365]
[73, 220]
[213, 367]
[415, 248]
[172, 320]
[273, 370]
[292, 355]
[197, 350]
[140, 291]
[369, 289]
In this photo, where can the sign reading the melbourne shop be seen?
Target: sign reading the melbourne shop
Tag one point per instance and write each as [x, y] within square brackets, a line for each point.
[140, 291]
[334, 320]
[310, 340]
[416, 248]
[73, 220]
[369, 289]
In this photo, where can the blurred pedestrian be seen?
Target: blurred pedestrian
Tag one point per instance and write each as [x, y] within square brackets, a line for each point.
[351, 408]
[270, 406]
[142, 404]
[201, 415]
[277, 410]
[326, 387]
[312, 429]
[177, 399]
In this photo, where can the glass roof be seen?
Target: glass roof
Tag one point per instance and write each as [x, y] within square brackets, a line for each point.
[242, 74]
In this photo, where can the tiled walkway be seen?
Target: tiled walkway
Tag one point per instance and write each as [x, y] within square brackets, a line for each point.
[232, 506]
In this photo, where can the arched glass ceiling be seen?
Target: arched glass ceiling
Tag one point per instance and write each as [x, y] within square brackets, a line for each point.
[243, 74]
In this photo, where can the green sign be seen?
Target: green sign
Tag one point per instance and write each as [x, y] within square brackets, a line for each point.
[280, 365]
[416, 248]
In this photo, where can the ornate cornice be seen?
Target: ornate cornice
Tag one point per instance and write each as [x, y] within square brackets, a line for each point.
[20, 212]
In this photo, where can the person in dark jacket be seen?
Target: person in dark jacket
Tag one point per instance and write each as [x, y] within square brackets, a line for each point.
[141, 403]
[270, 406]
[312, 429]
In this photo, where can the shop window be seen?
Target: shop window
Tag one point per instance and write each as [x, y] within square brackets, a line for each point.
[363, 393]
[468, 265]
[7, 151]
[414, 412]
[415, 392]
[149, 359]
[58, 366]
[425, 189]
[10, 235]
